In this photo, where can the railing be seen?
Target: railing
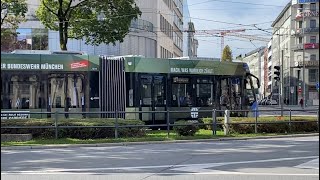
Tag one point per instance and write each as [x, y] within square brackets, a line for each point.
[226, 123]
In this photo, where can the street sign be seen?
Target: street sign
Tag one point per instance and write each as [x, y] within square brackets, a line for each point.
[317, 86]
[194, 112]
[292, 90]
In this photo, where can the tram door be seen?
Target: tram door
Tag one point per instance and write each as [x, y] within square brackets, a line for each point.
[152, 98]
[231, 93]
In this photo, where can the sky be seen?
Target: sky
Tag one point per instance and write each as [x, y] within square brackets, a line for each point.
[233, 14]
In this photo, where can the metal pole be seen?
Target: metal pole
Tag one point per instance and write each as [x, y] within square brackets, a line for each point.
[318, 121]
[56, 124]
[256, 122]
[168, 124]
[214, 122]
[282, 83]
[290, 120]
[116, 126]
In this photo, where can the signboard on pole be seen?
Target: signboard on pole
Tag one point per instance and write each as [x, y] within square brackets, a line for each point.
[291, 89]
[317, 86]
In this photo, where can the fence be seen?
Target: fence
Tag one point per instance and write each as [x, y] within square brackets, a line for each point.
[214, 125]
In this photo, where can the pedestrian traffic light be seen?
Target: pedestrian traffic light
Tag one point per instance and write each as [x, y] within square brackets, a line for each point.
[277, 73]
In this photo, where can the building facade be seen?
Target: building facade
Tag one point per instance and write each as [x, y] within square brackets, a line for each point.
[157, 33]
[255, 60]
[295, 45]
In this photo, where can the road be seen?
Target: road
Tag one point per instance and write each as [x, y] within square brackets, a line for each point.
[280, 158]
[275, 110]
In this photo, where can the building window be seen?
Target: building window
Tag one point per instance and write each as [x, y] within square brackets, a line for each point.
[300, 5]
[313, 23]
[313, 57]
[313, 7]
[313, 75]
[313, 39]
[300, 24]
[300, 40]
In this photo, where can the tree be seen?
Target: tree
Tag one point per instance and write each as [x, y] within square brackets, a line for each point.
[12, 14]
[227, 54]
[99, 21]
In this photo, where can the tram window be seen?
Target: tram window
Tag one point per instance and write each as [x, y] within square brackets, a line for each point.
[146, 90]
[204, 92]
[181, 95]
[24, 92]
[159, 94]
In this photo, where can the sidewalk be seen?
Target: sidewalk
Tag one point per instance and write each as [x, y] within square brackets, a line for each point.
[150, 142]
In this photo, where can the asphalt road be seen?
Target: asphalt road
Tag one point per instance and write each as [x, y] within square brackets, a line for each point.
[281, 158]
[275, 110]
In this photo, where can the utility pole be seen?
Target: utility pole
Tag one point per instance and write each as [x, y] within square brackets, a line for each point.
[281, 82]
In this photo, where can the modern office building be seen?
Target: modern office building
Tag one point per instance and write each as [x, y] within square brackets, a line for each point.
[157, 33]
[295, 47]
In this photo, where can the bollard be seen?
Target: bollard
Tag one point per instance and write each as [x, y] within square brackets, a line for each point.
[290, 114]
[168, 124]
[116, 126]
[318, 120]
[214, 122]
[56, 114]
[226, 122]
[256, 121]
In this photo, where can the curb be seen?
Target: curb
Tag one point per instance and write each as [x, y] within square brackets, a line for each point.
[151, 142]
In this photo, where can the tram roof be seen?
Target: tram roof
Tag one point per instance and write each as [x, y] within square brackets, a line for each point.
[72, 62]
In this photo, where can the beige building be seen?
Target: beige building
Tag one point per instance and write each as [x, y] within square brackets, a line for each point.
[167, 18]
[157, 33]
[295, 47]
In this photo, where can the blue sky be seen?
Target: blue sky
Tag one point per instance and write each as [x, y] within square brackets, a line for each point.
[233, 12]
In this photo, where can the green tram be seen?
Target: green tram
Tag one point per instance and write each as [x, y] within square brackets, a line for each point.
[82, 83]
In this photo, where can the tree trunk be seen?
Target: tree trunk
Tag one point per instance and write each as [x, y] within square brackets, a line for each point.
[63, 42]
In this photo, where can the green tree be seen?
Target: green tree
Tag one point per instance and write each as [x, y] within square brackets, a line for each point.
[227, 54]
[99, 21]
[12, 14]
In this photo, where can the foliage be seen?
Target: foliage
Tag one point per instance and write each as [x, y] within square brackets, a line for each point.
[78, 19]
[272, 125]
[12, 14]
[75, 132]
[185, 128]
[208, 121]
[227, 54]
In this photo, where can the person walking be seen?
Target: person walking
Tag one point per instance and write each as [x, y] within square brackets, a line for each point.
[301, 103]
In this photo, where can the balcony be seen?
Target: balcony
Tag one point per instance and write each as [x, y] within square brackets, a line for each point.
[298, 32]
[311, 30]
[297, 47]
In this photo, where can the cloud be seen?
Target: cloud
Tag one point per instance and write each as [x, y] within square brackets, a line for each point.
[203, 15]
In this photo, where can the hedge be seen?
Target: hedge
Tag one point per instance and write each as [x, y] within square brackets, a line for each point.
[274, 127]
[186, 128]
[79, 133]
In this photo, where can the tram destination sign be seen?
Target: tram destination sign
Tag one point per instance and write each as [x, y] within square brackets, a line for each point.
[192, 70]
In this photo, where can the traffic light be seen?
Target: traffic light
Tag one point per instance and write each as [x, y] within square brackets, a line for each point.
[277, 73]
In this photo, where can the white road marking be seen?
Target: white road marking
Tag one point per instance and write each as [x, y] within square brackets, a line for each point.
[187, 166]
[313, 164]
[202, 173]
